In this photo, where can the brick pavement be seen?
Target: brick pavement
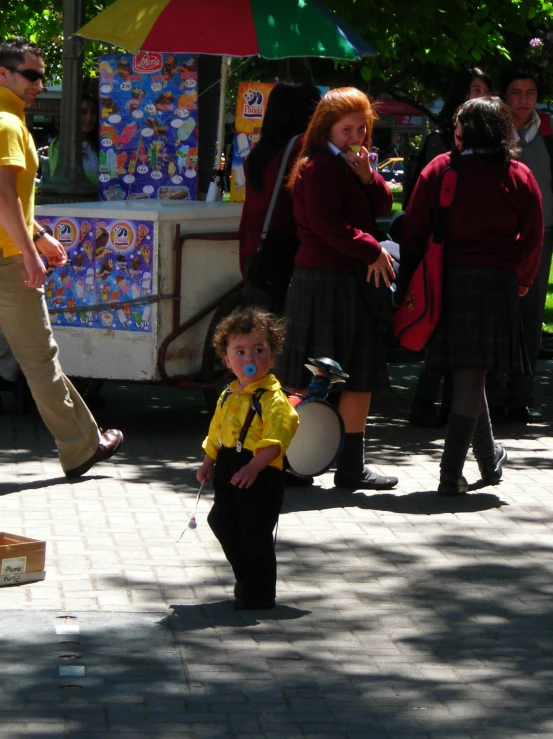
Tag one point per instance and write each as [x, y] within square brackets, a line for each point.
[401, 614]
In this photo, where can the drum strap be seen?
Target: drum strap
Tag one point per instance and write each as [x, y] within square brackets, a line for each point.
[254, 408]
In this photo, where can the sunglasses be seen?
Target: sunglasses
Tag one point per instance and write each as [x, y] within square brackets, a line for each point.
[29, 74]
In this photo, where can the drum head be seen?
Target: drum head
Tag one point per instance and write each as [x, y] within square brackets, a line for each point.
[318, 439]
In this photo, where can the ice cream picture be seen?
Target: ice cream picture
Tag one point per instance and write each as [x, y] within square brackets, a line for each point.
[89, 249]
[122, 284]
[146, 253]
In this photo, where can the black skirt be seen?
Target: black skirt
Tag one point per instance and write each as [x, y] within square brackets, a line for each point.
[479, 327]
[326, 317]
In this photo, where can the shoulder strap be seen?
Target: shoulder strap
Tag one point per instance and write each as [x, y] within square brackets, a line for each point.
[254, 408]
[546, 134]
[446, 196]
[278, 183]
[227, 392]
[545, 123]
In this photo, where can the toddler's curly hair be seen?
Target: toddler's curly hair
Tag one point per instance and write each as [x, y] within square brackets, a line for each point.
[245, 321]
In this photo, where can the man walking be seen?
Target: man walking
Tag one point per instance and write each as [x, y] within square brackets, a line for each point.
[24, 317]
[520, 88]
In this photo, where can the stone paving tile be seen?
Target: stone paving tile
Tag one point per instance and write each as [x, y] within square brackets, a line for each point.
[400, 615]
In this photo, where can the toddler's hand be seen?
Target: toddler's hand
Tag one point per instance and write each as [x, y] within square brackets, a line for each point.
[245, 477]
[205, 472]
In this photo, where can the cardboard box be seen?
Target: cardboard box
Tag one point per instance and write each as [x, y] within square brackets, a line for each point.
[21, 559]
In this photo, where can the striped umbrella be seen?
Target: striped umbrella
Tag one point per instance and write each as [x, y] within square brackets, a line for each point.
[274, 29]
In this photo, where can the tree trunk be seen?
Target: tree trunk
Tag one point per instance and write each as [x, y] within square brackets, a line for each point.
[68, 181]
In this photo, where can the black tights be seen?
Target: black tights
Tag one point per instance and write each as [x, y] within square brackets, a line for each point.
[469, 395]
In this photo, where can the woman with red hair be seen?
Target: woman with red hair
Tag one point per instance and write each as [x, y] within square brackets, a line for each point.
[337, 197]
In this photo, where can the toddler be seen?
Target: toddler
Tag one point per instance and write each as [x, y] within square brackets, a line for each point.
[249, 433]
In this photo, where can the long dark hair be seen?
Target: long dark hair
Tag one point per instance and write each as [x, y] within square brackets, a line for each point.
[458, 93]
[92, 136]
[487, 125]
[289, 110]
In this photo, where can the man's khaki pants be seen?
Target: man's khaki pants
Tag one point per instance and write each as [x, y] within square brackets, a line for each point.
[26, 325]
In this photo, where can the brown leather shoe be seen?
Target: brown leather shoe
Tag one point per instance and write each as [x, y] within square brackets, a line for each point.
[110, 441]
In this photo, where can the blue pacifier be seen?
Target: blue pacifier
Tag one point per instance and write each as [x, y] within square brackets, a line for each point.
[250, 369]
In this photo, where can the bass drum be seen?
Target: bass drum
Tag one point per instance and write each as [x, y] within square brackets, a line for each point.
[318, 440]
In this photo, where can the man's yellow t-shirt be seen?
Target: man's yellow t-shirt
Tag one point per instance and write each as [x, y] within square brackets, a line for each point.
[17, 149]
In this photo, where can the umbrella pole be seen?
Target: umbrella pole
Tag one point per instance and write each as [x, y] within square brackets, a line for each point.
[221, 123]
[213, 190]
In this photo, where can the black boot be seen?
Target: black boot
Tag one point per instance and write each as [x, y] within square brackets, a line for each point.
[423, 410]
[352, 472]
[490, 456]
[457, 442]
[447, 399]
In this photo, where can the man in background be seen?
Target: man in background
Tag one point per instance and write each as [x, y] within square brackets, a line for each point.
[520, 87]
[24, 318]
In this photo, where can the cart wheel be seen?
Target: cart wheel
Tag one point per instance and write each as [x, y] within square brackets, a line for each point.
[212, 366]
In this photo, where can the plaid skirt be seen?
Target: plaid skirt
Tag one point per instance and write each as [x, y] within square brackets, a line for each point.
[479, 327]
[326, 317]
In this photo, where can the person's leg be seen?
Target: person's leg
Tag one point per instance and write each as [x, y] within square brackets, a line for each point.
[490, 456]
[351, 471]
[26, 325]
[468, 392]
[223, 516]
[258, 511]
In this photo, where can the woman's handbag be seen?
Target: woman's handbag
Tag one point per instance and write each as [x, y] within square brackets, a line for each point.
[419, 312]
[273, 263]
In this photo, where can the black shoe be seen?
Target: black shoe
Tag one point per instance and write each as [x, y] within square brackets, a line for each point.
[449, 488]
[368, 480]
[253, 604]
[524, 414]
[239, 590]
[491, 469]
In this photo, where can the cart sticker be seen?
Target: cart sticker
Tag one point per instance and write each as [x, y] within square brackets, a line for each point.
[107, 281]
[148, 114]
[251, 103]
[13, 566]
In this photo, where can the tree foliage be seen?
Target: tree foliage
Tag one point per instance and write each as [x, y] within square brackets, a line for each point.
[41, 21]
[421, 43]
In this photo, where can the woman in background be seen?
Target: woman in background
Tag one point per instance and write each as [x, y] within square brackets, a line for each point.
[494, 231]
[289, 110]
[337, 198]
[468, 84]
[90, 143]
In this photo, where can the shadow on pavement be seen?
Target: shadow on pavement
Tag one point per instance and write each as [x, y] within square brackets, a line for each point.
[221, 613]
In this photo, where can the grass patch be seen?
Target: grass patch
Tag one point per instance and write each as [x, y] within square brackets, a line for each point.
[548, 315]
[398, 194]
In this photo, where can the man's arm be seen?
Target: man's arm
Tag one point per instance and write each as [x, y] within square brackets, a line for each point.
[49, 247]
[13, 222]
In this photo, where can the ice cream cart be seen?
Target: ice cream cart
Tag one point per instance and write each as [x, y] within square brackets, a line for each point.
[145, 284]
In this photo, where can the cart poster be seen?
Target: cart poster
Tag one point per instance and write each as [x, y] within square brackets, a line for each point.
[250, 108]
[148, 126]
[107, 281]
